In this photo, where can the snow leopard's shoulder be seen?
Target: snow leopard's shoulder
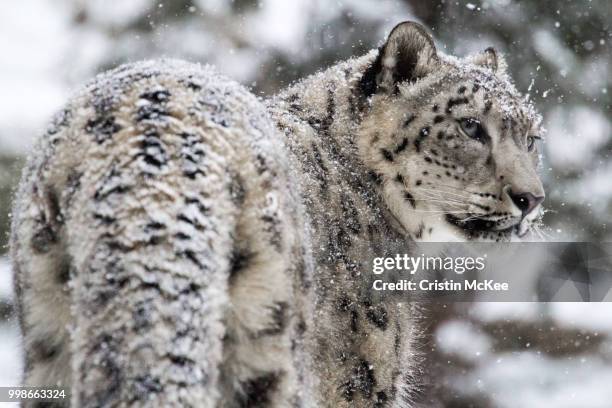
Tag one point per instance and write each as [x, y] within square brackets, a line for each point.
[129, 106]
[192, 87]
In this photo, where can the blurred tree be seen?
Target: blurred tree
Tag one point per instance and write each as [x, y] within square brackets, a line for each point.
[10, 167]
[558, 51]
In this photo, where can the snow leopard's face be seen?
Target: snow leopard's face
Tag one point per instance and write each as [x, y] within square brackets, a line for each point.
[455, 142]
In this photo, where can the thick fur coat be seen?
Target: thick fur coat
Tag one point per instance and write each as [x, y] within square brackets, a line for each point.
[179, 242]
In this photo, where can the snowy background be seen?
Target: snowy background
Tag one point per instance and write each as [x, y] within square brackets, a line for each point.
[485, 355]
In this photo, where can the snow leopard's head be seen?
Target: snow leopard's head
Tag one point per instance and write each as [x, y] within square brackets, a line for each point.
[453, 140]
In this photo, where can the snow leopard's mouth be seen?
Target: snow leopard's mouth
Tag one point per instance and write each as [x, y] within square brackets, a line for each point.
[485, 225]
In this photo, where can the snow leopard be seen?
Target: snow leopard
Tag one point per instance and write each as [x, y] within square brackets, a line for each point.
[178, 241]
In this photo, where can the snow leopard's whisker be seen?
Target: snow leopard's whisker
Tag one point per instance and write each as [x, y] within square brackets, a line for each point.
[442, 194]
[457, 206]
[443, 197]
[441, 212]
[466, 193]
[438, 200]
[470, 218]
[544, 236]
[456, 198]
[475, 216]
[538, 232]
[445, 193]
[464, 190]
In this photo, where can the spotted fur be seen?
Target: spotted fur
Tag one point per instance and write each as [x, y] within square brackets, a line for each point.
[178, 242]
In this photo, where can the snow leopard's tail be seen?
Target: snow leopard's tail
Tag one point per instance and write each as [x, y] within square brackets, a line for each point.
[122, 262]
[147, 263]
[151, 288]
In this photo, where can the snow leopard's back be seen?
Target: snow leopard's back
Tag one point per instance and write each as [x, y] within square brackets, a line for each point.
[156, 222]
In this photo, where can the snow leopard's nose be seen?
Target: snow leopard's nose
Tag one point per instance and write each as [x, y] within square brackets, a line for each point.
[525, 202]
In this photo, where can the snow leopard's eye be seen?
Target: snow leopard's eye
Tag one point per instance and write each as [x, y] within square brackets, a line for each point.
[531, 142]
[473, 129]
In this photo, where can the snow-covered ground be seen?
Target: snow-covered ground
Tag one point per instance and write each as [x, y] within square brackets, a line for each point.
[596, 317]
[530, 354]
[531, 379]
[10, 355]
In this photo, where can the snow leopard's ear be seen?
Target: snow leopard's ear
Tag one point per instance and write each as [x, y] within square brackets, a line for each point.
[491, 59]
[408, 54]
